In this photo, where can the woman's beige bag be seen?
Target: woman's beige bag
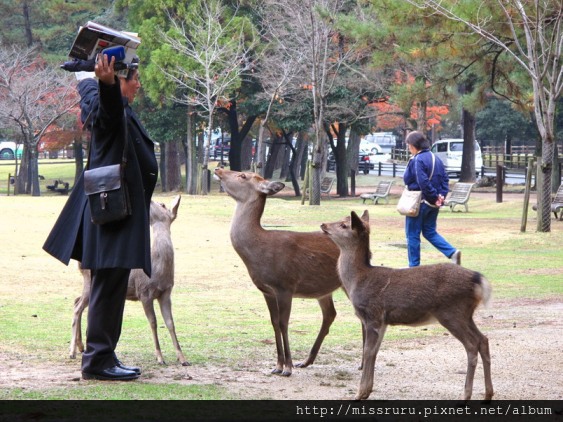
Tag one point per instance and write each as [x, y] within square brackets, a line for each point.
[409, 203]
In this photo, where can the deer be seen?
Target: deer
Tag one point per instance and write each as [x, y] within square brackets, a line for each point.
[282, 264]
[382, 296]
[142, 288]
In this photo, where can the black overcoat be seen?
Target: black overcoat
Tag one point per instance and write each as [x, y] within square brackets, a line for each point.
[123, 244]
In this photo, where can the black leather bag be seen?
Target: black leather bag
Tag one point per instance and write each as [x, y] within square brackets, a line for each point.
[106, 188]
[108, 195]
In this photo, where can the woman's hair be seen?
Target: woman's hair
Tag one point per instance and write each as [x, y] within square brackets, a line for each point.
[418, 140]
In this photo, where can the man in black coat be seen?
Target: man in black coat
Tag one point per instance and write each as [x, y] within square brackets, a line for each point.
[111, 250]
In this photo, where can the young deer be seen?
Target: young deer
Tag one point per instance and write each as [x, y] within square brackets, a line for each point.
[141, 287]
[384, 296]
[282, 264]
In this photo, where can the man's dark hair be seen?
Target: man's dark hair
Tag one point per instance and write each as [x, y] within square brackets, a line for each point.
[418, 140]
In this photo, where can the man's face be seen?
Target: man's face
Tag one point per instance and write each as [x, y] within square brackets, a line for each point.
[130, 87]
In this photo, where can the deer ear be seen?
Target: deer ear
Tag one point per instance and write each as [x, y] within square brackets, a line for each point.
[174, 206]
[271, 188]
[365, 217]
[356, 222]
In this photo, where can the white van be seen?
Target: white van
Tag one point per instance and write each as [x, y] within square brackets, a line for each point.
[450, 152]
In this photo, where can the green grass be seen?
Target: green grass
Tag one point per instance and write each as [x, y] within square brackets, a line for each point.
[221, 318]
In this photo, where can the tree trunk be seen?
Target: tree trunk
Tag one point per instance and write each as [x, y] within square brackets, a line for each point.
[246, 153]
[162, 167]
[190, 147]
[468, 158]
[34, 172]
[544, 197]
[172, 167]
[341, 161]
[273, 156]
[260, 157]
[27, 24]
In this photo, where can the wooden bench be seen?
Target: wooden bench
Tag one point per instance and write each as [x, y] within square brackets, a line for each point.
[459, 195]
[60, 187]
[64, 189]
[381, 192]
[326, 186]
[55, 185]
[556, 204]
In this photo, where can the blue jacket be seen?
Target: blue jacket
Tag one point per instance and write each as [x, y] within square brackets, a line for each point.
[417, 176]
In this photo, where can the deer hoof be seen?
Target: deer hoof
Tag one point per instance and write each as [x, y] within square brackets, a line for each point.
[186, 363]
[286, 373]
[302, 365]
[276, 371]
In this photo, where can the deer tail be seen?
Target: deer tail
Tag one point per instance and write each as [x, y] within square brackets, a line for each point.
[483, 289]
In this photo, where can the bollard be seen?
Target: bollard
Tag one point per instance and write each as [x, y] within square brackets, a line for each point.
[500, 181]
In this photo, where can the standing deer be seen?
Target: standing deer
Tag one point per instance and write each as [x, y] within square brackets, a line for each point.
[384, 296]
[158, 286]
[282, 264]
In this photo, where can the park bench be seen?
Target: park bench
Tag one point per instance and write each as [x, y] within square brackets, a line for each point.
[381, 192]
[556, 204]
[55, 185]
[64, 189]
[459, 195]
[60, 187]
[326, 186]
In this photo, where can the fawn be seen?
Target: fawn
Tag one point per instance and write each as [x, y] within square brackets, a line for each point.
[384, 296]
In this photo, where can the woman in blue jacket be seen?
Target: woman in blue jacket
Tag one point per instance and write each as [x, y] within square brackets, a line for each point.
[425, 172]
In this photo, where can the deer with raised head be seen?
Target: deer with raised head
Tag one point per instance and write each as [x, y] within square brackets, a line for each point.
[384, 296]
[146, 290]
[282, 264]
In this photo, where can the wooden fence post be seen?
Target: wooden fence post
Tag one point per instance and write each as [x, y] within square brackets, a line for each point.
[500, 182]
[527, 190]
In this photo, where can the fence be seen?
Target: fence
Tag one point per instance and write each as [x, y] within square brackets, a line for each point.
[518, 158]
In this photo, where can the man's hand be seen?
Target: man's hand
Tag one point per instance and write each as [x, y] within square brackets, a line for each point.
[104, 69]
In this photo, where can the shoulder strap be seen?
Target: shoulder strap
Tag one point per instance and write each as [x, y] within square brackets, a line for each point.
[125, 137]
[433, 162]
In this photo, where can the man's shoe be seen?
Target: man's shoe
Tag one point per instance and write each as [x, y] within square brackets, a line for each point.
[135, 369]
[115, 373]
[456, 257]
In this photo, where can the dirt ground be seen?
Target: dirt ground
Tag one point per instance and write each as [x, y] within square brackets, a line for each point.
[525, 340]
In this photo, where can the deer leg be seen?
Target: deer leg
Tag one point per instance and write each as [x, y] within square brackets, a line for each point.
[486, 358]
[280, 309]
[329, 314]
[166, 310]
[374, 336]
[148, 307]
[76, 342]
[465, 330]
[363, 346]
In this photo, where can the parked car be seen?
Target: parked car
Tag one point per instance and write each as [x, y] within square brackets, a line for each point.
[365, 162]
[450, 151]
[219, 147]
[9, 149]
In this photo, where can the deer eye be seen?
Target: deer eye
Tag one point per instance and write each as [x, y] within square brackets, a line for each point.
[242, 176]
[343, 225]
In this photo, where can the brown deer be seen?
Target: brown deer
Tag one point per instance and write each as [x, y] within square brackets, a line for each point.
[385, 296]
[158, 286]
[282, 264]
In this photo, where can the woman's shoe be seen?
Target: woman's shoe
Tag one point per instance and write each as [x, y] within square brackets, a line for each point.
[456, 257]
